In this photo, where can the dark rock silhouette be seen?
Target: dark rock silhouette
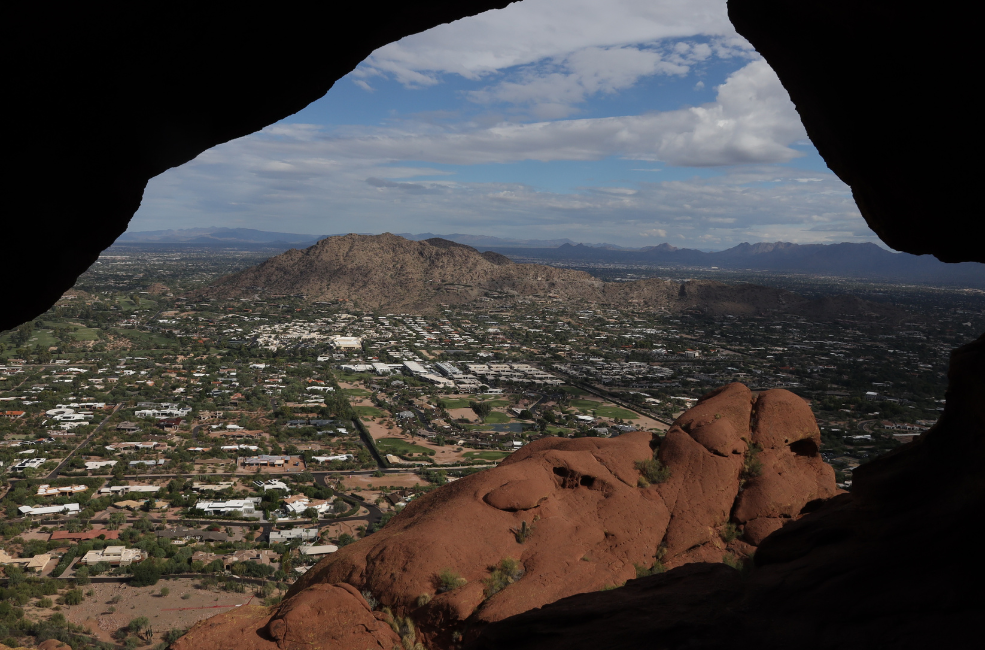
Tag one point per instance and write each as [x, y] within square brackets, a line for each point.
[837, 61]
[110, 96]
[104, 99]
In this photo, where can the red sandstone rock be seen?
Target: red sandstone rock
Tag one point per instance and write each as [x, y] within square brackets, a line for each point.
[786, 484]
[53, 644]
[781, 419]
[756, 530]
[592, 525]
[322, 617]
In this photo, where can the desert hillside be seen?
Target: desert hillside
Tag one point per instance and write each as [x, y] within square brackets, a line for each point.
[388, 272]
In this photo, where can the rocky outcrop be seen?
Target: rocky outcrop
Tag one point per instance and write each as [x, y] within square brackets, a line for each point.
[570, 516]
[876, 567]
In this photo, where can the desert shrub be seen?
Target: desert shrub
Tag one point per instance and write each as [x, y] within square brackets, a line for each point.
[187, 596]
[643, 571]
[730, 560]
[172, 636]
[751, 465]
[370, 599]
[73, 597]
[729, 532]
[523, 532]
[345, 539]
[423, 599]
[405, 629]
[164, 592]
[448, 580]
[651, 471]
[44, 602]
[138, 624]
[503, 575]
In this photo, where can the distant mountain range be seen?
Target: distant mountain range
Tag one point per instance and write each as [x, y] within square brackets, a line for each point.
[217, 237]
[867, 261]
[391, 273]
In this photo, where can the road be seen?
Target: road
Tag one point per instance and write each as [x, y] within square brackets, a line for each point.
[54, 473]
[615, 400]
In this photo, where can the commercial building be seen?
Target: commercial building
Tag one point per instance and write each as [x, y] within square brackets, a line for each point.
[346, 342]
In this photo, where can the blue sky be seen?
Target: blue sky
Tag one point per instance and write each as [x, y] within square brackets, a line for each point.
[632, 122]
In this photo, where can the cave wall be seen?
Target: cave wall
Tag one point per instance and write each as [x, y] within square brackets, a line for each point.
[874, 83]
[106, 96]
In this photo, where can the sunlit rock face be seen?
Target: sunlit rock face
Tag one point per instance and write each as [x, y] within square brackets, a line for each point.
[594, 519]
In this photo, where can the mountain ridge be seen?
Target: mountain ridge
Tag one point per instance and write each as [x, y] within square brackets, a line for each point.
[389, 272]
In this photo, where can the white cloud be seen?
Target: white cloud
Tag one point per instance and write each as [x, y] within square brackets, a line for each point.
[752, 120]
[544, 57]
[553, 88]
[534, 30]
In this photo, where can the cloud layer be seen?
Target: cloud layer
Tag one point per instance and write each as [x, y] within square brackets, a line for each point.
[530, 69]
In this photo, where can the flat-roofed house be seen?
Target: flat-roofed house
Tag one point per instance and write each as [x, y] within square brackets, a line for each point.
[118, 555]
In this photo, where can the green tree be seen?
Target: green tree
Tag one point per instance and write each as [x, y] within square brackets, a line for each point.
[146, 574]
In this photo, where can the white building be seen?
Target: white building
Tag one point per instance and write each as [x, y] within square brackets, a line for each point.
[118, 555]
[304, 534]
[345, 342]
[96, 464]
[329, 459]
[245, 506]
[272, 484]
[48, 491]
[126, 489]
[33, 463]
[49, 510]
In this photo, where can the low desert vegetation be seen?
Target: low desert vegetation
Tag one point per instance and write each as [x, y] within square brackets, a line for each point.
[652, 471]
[503, 575]
[449, 580]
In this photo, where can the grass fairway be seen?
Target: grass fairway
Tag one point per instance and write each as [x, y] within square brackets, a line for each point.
[485, 455]
[496, 418]
[611, 411]
[557, 431]
[454, 403]
[585, 404]
[44, 338]
[368, 411]
[85, 334]
[399, 447]
[571, 390]
[360, 392]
